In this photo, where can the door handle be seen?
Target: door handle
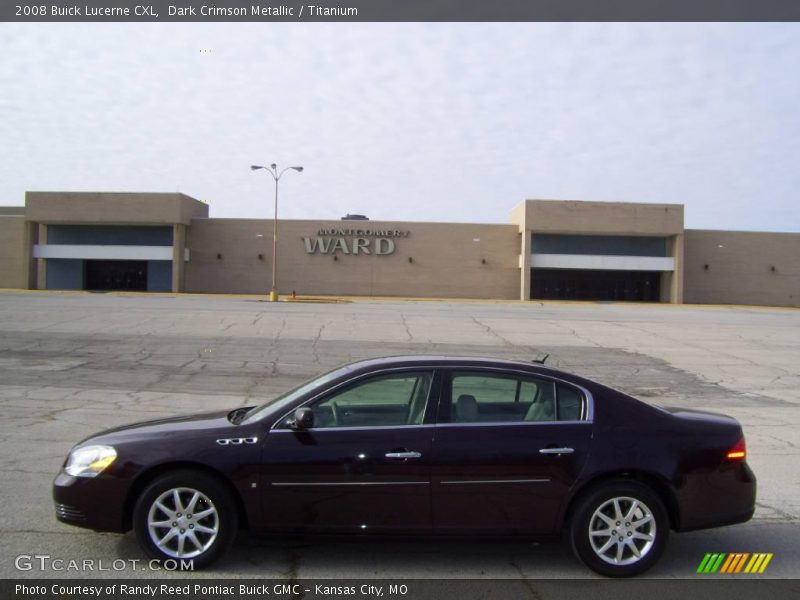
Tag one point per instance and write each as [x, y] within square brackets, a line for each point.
[556, 450]
[403, 454]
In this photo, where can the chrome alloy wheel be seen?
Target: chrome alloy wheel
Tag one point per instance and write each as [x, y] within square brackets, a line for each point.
[622, 531]
[183, 522]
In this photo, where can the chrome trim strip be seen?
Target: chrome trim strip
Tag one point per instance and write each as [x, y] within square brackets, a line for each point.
[304, 483]
[428, 425]
[359, 428]
[510, 423]
[463, 481]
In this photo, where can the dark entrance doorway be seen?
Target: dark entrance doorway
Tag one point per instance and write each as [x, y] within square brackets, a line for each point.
[577, 284]
[116, 275]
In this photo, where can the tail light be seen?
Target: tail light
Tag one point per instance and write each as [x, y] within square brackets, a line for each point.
[738, 451]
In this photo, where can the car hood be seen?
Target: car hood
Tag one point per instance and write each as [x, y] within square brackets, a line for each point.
[185, 424]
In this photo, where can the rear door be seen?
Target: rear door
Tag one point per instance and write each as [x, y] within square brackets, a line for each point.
[507, 448]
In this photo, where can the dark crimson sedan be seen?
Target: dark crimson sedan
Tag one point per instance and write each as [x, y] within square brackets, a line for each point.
[419, 445]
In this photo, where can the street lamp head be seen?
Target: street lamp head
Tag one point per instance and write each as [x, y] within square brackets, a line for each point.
[255, 167]
[298, 169]
[273, 166]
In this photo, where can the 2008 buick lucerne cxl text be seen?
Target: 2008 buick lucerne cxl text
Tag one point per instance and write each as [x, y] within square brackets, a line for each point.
[419, 445]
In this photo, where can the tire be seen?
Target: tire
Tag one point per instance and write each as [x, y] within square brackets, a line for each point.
[603, 510]
[190, 513]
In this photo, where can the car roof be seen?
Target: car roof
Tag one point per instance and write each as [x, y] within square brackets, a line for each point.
[447, 360]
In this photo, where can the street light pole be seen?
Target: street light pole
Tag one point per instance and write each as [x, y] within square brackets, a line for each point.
[273, 294]
[273, 170]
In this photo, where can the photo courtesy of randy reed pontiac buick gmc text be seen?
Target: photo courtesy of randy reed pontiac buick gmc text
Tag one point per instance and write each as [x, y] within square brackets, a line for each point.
[202, 590]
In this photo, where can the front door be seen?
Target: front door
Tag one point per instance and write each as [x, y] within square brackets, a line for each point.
[507, 450]
[364, 467]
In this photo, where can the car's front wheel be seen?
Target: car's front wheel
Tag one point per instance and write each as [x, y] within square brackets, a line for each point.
[185, 515]
[619, 529]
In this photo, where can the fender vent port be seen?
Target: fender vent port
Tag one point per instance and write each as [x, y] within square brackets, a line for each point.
[68, 513]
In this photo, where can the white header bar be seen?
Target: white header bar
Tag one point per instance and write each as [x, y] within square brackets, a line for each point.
[102, 252]
[602, 262]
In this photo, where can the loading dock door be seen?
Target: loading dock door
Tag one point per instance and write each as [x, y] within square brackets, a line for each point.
[120, 275]
[577, 284]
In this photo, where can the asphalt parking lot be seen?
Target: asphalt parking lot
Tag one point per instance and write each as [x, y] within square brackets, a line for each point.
[72, 364]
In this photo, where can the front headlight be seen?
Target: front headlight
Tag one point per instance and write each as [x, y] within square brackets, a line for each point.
[89, 461]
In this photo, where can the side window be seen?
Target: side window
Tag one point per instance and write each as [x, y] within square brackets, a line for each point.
[486, 388]
[570, 403]
[398, 399]
[490, 398]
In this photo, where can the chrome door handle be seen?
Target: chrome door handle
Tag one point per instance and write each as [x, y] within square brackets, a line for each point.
[403, 455]
[556, 450]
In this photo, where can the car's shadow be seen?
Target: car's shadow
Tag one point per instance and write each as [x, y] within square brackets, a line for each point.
[362, 558]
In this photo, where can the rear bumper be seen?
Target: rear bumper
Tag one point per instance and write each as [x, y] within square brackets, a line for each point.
[724, 497]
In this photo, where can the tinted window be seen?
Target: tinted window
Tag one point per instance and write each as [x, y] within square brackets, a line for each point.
[292, 395]
[388, 400]
[487, 398]
[570, 403]
[486, 388]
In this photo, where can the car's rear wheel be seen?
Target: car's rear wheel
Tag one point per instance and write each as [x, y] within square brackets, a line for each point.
[619, 529]
[185, 516]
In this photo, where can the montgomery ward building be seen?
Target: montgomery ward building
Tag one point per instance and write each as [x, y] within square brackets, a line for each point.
[549, 250]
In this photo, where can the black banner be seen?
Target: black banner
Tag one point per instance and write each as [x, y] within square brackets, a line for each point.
[398, 10]
[722, 588]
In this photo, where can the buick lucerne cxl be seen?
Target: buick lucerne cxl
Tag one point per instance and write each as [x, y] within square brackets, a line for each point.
[419, 445]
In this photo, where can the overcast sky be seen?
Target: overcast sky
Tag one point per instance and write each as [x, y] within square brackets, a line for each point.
[430, 122]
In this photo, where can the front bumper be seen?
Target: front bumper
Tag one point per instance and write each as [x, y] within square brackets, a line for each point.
[96, 503]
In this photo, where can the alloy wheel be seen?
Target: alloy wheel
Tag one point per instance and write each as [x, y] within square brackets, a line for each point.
[622, 531]
[183, 522]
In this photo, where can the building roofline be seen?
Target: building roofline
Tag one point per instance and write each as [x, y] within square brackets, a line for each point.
[355, 224]
[617, 202]
[762, 232]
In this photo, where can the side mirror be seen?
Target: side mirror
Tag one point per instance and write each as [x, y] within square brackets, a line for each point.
[303, 418]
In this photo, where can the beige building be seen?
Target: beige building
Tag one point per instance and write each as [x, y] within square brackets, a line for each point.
[549, 250]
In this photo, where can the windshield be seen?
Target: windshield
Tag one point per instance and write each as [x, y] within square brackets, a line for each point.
[286, 399]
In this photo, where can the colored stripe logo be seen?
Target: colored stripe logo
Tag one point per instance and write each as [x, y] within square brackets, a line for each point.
[736, 562]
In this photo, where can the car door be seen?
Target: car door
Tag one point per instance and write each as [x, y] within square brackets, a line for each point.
[507, 448]
[364, 466]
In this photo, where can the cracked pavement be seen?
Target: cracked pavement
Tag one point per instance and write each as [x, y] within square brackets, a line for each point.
[73, 364]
